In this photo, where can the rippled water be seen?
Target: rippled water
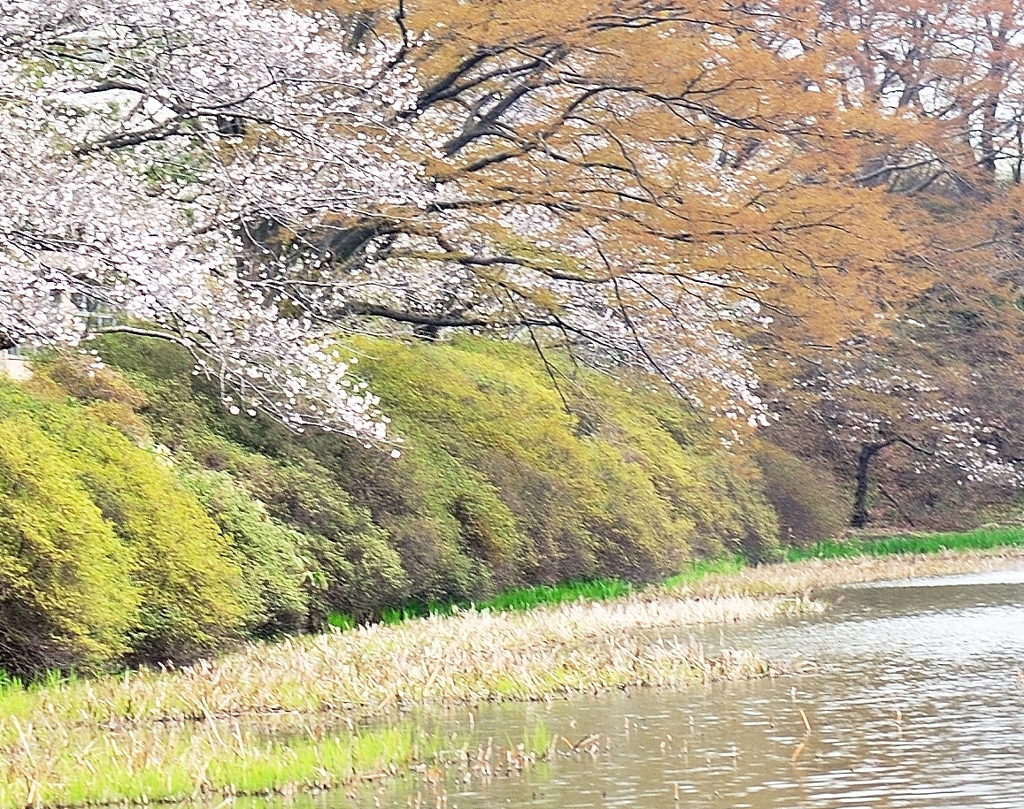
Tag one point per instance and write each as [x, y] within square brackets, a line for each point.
[917, 703]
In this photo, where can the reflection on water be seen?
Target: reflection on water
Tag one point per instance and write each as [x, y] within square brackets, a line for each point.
[917, 704]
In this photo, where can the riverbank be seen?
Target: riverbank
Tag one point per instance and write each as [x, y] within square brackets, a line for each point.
[904, 546]
[324, 711]
[813, 575]
[865, 543]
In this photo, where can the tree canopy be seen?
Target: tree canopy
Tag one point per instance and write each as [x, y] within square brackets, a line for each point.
[254, 181]
[712, 193]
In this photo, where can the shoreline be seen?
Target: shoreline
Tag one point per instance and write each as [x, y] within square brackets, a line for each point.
[292, 716]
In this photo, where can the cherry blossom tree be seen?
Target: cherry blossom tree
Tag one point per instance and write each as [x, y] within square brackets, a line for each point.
[143, 142]
[256, 181]
[925, 409]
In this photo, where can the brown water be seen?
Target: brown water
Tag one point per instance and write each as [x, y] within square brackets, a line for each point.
[917, 703]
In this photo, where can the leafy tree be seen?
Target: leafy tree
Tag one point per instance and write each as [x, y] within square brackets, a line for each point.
[915, 412]
[945, 76]
[717, 194]
[635, 181]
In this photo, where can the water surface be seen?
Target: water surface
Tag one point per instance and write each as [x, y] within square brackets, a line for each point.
[917, 703]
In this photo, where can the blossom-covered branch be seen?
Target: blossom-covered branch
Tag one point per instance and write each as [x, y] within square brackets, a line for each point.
[255, 182]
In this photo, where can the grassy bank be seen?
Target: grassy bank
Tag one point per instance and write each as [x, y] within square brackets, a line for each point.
[528, 598]
[276, 717]
[807, 576]
[384, 670]
[979, 539]
[292, 715]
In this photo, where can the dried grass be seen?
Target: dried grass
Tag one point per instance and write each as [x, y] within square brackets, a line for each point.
[370, 671]
[282, 717]
[806, 577]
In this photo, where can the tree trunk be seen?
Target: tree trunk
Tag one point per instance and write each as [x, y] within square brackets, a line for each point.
[860, 495]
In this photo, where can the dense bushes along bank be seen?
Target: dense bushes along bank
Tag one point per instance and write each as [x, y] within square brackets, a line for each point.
[141, 522]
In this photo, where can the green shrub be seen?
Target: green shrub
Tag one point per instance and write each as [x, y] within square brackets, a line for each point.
[442, 518]
[714, 495]
[351, 565]
[83, 377]
[809, 502]
[499, 485]
[109, 552]
[355, 569]
[182, 566]
[603, 491]
[66, 598]
[192, 603]
[273, 571]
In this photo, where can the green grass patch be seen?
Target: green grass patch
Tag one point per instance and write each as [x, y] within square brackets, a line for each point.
[341, 621]
[155, 764]
[518, 599]
[980, 539]
[696, 571]
[526, 598]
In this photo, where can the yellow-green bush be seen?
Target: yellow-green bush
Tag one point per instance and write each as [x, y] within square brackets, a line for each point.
[181, 570]
[353, 569]
[66, 597]
[350, 564]
[191, 603]
[718, 492]
[810, 503]
[613, 488]
[503, 479]
[273, 570]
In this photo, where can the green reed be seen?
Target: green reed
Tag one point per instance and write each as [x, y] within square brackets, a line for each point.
[979, 539]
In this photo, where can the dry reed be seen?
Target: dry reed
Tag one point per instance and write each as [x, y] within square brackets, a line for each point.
[805, 577]
[466, 657]
[151, 735]
[267, 718]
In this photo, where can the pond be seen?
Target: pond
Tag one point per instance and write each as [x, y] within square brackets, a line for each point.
[917, 702]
